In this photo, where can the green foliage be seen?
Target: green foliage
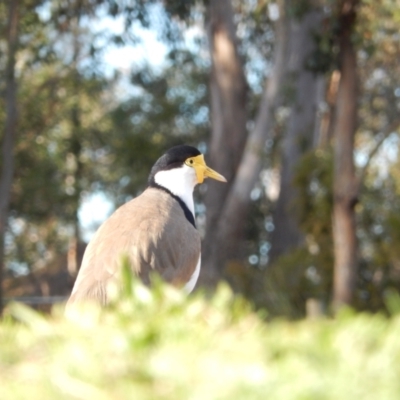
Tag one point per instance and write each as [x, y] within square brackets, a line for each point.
[162, 344]
[306, 272]
[297, 9]
[313, 206]
[76, 135]
[379, 224]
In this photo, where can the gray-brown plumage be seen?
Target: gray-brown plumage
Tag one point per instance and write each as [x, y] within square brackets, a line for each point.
[138, 230]
[155, 231]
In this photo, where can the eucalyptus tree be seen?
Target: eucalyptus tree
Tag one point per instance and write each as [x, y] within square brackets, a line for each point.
[11, 31]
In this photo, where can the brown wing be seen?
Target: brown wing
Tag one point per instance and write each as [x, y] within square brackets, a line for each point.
[152, 231]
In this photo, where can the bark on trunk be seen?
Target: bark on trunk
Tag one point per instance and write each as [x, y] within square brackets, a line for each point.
[299, 136]
[7, 168]
[225, 232]
[228, 91]
[345, 184]
[75, 148]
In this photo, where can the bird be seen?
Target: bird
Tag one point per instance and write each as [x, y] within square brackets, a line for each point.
[155, 231]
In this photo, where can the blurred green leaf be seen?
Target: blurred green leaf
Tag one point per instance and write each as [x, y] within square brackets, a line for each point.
[177, 347]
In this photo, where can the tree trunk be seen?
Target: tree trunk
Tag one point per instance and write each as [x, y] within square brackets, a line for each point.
[7, 168]
[228, 91]
[224, 236]
[75, 149]
[345, 186]
[299, 136]
[75, 146]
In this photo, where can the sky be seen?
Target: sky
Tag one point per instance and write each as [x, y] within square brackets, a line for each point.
[150, 49]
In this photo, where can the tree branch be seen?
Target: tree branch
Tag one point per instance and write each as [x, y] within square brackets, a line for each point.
[384, 135]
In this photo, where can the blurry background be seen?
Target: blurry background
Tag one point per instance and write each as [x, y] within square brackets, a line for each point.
[295, 102]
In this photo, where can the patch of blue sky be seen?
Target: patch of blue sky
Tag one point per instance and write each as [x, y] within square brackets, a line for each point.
[94, 209]
[147, 49]
[386, 155]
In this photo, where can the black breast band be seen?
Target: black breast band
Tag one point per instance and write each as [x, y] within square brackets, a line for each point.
[188, 214]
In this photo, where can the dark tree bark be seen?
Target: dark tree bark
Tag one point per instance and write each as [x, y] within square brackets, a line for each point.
[299, 136]
[10, 131]
[345, 183]
[75, 145]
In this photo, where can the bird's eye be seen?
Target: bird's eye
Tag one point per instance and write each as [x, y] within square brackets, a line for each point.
[189, 162]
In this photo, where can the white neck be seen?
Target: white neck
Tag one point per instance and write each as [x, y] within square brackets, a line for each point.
[181, 182]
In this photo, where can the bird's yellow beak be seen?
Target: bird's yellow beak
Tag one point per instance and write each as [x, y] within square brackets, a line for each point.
[202, 171]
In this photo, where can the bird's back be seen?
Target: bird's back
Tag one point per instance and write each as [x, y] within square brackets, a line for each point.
[152, 232]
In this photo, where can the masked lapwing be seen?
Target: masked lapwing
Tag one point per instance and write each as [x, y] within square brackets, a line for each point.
[155, 232]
